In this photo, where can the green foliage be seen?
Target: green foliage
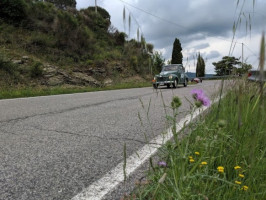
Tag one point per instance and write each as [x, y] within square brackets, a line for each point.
[177, 56]
[8, 93]
[7, 65]
[149, 47]
[226, 65]
[158, 61]
[36, 70]
[69, 38]
[120, 38]
[13, 11]
[41, 40]
[98, 22]
[63, 4]
[100, 11]
[134, 63]
[200, 68]
[218, 159]
[42, 16]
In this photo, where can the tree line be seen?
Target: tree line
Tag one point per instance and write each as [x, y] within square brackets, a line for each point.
[227, 66]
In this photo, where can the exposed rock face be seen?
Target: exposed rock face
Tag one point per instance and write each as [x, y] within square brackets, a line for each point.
[25, 58]
[79, 78]
[17, 61]
[49, 71]
[57, 76]
[98, 71]
[107, 82]
[55, 80]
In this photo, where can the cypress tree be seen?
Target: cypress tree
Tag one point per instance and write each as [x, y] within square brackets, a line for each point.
[177, 57]
[200, 68]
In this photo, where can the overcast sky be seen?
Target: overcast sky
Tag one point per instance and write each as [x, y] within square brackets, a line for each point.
[202, 26]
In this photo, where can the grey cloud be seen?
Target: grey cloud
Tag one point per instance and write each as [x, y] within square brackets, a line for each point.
[213, 54]
[201, 46]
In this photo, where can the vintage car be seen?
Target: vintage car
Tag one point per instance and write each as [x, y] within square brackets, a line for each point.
[171, 75]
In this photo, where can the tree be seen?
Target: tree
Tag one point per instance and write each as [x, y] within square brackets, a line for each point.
[226, 65]
[13, 11]
[63, 4]
[244, 68]
[158, 61]
[200, 68]
[177, 57]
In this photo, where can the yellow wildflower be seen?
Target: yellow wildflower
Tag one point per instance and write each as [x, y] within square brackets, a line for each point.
[197, 153]
[241, 175]
[237, 167]
[220, 169]
[204, 163]
[190, 157]
[244, 188]
[238, 182]
[191, 160]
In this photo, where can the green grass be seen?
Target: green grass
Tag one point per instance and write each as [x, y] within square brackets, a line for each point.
[6, 93]
[231, 135]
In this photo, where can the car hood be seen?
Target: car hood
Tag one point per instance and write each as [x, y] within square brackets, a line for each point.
[166, 73]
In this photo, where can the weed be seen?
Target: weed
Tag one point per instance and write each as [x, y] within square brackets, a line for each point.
[219, 159]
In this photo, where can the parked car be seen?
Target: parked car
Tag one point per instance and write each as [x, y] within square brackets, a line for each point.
[171, 75]
[196, 80]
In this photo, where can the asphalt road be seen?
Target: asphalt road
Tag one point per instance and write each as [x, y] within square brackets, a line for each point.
[52, 147]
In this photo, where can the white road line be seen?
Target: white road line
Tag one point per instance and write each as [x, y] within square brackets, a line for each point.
[113, 178]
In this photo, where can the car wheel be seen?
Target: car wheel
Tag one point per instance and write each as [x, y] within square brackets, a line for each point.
[155, 86]
[185, 83]
[168, 85]
[175, 83]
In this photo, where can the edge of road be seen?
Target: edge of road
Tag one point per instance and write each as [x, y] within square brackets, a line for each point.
[111, 180]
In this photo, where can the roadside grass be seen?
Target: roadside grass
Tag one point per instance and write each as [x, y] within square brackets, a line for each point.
[222, 158]
[8, 93]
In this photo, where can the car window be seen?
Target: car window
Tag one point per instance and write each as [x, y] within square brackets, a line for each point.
[169, 68]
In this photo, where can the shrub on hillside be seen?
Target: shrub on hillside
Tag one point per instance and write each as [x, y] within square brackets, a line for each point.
[63, 4]
[13, 11]
[36, 70]
[41, 16]
[7, 65]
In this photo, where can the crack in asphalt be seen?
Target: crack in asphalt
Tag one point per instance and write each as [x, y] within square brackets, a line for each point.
[82, 135]
[15, 120]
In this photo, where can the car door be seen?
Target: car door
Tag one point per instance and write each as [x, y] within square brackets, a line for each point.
[181, 74]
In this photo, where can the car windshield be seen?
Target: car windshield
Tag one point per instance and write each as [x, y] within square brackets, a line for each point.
[169, 68]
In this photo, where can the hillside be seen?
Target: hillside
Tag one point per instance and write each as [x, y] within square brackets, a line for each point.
[42, 45]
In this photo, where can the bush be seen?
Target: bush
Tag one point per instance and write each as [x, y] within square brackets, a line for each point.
[13, 11]
[36, 70]
[134, 63]
[7, 65]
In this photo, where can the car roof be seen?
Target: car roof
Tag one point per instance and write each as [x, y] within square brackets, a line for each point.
[173, 65]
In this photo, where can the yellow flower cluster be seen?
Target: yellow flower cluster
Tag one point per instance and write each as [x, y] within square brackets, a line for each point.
[245, 188]
[238, 182]
[220, 169]
[241, 175]
[237, 167]
[191, 160]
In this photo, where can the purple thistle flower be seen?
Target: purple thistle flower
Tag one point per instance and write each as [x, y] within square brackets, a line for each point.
[200, 96]
[197, 93]
[162, 164]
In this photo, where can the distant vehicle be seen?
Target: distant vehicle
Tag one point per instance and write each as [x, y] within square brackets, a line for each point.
[196, 80]
[171, 75]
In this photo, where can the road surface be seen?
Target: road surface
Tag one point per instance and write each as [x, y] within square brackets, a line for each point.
[53, 147]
